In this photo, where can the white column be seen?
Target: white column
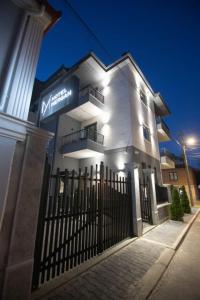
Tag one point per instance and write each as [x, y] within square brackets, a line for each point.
[19, 79]
[135, 191]
[153, 199]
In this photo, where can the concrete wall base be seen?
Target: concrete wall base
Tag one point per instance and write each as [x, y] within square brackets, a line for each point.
[24, 149]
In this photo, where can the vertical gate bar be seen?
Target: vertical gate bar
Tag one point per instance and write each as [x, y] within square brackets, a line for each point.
[70, 214]
[104, 220]
[57, 219]
[120, 207]
[100, 209]
[91, 214]
[51, 244]
[112, 209]
[46, 238]
[66, 219]
[80, 246]
[77, 218]
[106, 210]
[87, 223]
[61, 222]
[124, 209]
[118, 211]
[84, 215]
[93, 222]
[73, 222]
[40, 226]
[96, 209]
[115, 209]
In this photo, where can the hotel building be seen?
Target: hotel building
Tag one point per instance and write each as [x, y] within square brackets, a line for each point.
[102, 113]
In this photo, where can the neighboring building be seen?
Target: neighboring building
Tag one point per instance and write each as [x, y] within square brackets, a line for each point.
[102, 113]
[173, 173]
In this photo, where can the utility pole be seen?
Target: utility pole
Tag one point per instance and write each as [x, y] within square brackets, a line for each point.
[183, 145]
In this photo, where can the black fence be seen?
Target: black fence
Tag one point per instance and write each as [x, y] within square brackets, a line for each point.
[80, 216]
[161, 194]
[145, 200]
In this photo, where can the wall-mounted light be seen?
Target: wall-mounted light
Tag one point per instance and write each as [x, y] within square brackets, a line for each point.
[106, 81]
[105, 117]
[106, 91]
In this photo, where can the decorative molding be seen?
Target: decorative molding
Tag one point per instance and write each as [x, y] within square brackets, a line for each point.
[17, 129]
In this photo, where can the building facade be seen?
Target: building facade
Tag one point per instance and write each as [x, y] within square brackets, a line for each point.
[177, 177]
[102, 113]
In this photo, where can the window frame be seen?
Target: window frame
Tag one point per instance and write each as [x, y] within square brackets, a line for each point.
[143, 98]
[145, 127]
[173, 176]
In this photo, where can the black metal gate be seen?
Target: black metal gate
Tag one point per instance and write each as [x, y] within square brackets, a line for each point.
[80, 216]
[145, 199]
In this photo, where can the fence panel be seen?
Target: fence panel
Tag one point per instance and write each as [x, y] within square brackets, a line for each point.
[81, 215]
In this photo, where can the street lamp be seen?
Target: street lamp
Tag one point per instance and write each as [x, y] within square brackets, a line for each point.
[185, 142]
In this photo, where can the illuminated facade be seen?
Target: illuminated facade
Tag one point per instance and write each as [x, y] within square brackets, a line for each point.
[102, 113]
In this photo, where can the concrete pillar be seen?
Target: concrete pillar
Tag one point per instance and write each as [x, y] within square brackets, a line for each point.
[154, 209]
[21, 171]
[135, 191]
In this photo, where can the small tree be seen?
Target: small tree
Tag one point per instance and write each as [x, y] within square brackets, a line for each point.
[176, 208]
[185, 201]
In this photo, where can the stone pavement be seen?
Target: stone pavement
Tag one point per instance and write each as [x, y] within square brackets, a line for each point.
[117, 276]
[181, 280]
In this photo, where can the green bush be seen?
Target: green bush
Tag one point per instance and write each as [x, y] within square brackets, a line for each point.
[185, 201]
[176, 208]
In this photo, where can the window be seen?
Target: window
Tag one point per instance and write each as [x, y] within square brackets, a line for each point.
[146, 133]
[173, 176]
[143, 97]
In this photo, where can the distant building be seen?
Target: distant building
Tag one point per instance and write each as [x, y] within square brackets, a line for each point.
[173, 173]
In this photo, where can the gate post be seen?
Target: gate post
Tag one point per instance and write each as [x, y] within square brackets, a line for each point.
[135, 199]
[154, 210]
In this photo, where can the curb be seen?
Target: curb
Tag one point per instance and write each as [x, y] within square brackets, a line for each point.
[150, 280]
[179, 240]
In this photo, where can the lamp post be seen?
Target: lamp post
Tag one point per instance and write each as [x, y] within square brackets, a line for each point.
[184, 143]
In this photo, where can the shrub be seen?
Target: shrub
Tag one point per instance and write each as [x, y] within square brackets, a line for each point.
[176, 208]
[185, 201]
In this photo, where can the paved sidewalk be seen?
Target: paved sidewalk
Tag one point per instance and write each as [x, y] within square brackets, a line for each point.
[117, 276]
[181, 280]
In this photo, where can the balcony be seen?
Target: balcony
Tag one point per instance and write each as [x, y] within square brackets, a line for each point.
[82, 144]
[91, 104]
[163, 130]
[166, 159]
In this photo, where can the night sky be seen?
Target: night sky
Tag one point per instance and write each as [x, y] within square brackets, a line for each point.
[163, 37]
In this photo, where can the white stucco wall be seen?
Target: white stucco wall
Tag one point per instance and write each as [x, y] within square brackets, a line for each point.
[125, 113]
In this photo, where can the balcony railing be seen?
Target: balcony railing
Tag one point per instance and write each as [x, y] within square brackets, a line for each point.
[91, 91]
[165, 152]
[159, 120]
[83, 134]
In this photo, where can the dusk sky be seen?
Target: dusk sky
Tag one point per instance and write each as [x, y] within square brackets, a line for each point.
[163, 37]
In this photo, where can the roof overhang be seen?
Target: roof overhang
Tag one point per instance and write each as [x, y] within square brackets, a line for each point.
[161, 107]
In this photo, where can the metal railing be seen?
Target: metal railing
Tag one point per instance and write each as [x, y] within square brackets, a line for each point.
[165, 152]
[83, 134]
[91, 91]
[159, 120]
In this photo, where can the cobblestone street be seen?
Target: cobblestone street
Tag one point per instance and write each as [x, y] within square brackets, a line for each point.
[117, 276]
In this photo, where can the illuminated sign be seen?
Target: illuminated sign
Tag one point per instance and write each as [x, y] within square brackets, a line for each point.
[62, 98]
[54, 100]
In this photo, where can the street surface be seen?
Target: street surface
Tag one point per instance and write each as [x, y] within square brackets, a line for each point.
[182, 278]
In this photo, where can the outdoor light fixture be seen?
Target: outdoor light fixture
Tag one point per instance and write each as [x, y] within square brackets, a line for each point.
[106, 81]
[190, 141]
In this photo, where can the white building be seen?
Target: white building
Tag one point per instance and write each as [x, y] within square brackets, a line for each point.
[102, 113]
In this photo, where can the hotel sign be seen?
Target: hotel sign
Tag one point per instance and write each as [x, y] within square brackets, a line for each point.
[60, 99]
